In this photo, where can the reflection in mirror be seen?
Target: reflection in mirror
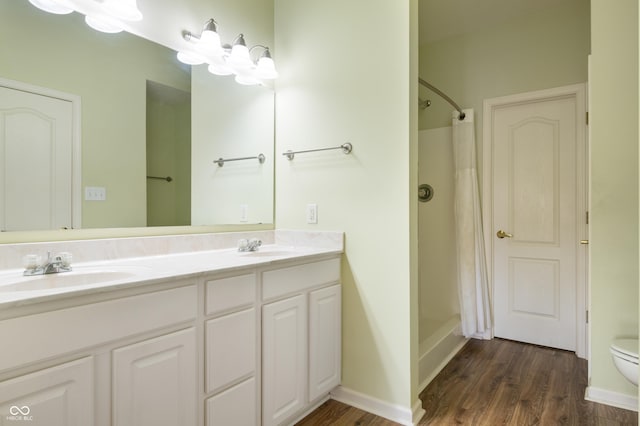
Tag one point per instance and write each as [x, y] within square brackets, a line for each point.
[168, 156]
[109, 74]
[39, 144]
[231, 121]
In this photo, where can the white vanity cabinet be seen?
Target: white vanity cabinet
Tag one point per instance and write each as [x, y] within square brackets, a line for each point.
[231, 351]
[57, 396]
[154, 381]
[301, 338]
[128, 360]
[284, 358]
[325, 331]
[254, 344]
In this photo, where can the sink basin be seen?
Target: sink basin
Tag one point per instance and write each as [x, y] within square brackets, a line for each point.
[64, 279]
[270, 250]
[266, 253]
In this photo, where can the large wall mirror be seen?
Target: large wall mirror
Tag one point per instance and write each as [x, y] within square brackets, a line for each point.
[143, 116]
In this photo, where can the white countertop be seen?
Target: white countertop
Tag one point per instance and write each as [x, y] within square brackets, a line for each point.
[17, 290]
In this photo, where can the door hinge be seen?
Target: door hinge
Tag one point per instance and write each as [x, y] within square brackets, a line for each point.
[586, 217]
[587, 316]
[586, 117]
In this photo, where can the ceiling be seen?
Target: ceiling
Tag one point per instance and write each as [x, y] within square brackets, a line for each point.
[446, 18]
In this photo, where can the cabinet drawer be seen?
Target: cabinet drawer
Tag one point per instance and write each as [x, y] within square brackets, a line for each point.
[71, 329]
[230, 349]
[301, 277]
[229, 293]
[234, 407]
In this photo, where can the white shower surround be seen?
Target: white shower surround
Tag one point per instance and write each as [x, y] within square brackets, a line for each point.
[439, 324]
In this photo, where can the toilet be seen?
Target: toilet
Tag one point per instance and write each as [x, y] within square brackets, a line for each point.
[625, 357]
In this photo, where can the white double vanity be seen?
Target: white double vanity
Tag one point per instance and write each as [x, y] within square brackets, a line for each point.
[173, 330]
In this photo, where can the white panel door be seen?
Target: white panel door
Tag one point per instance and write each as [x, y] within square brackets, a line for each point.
[535, 206]
[325, 337]
[284, 343]
[36, 139]
[56, 396]
[154, 381]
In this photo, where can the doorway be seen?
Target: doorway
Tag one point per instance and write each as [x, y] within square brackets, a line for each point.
[168, 151]
[535, 206]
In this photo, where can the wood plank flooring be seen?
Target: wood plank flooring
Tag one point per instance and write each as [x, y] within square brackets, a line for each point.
[498, 382]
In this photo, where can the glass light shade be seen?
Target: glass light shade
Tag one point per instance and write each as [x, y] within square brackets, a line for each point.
[247, 79]
[103, 23]
[126, 10]
[53, 6]
[266, 68]
[239, 59]
[190, 58]
[219, 69]
[210, 41]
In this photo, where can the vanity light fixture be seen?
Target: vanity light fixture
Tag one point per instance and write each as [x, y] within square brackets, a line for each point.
[103, 23]
[209, 38]
[228, 59]
[59, 7]
[265, 68]
[106, 16]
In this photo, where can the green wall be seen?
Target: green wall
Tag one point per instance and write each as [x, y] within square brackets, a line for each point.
[336, 87]
[614, 185]
[109, 73]
[538, 51]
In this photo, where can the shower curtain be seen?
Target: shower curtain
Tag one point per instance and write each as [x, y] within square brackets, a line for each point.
[473, 286]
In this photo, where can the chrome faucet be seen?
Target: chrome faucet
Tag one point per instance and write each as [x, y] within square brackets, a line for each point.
[61, 262]
[249, 245]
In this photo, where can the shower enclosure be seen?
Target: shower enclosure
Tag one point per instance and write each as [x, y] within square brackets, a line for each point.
[453, 286]
[439, 307]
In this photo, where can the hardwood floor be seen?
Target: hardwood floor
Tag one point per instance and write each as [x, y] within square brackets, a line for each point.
[498, 382]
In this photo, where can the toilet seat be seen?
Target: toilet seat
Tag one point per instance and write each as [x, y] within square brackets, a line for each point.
[626, 349]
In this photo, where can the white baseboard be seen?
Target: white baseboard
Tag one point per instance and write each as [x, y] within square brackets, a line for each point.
[418, 412]
[424, 364]
[615, 399]
[397, 413]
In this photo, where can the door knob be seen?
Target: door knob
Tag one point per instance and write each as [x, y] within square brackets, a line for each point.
[501, 234]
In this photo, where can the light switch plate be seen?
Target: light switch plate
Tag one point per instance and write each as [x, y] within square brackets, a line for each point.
[244, 213]
[312, 213]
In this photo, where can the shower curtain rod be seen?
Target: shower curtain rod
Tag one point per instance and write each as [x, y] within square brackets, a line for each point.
[444, 96]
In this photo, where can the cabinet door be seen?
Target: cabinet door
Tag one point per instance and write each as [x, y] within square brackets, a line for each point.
[154, 381]
[324, 340]
[230, 349]
[284, 343]
[56, 396]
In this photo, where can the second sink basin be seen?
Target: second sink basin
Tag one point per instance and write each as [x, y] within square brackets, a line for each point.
[74, 278]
